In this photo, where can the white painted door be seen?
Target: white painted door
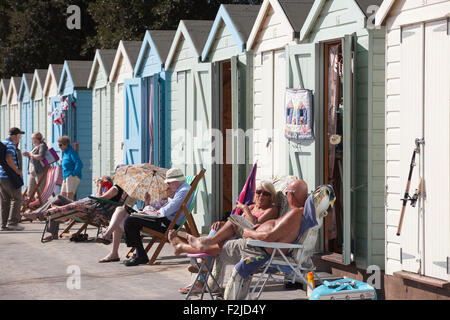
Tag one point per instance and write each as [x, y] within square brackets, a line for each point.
[280, 155]
[411, 128]
[97, 135]
[436, 150]
[263, 115]
[119, 124]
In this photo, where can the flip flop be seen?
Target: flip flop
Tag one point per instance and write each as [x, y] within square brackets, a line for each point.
[108, 260]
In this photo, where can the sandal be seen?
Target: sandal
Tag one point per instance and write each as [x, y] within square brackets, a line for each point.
[196, 290]
[103, 240]
[108, 260]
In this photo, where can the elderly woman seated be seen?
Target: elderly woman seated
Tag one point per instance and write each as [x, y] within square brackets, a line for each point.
[113, 234]
[262, 210]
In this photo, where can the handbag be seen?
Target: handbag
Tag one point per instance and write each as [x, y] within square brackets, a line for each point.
[50, 157]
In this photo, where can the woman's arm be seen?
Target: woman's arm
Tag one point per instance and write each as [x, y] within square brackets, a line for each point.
[247, 212]
[78, 164]
[111, 193]
[271, 213]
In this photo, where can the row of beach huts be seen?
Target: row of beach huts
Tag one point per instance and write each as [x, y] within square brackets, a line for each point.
[387, 62]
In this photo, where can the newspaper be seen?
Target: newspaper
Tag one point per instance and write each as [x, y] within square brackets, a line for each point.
[240, 222]
[146, 216]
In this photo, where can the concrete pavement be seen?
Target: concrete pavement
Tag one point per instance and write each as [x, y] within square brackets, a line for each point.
[54, 270]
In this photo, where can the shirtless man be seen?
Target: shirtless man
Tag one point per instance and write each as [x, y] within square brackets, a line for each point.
[284, 229]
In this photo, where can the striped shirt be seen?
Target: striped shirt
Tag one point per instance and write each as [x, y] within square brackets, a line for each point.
[10, 149]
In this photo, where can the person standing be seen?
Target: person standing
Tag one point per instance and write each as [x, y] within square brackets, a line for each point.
[71, 166]
[35, 167]
[11, 197]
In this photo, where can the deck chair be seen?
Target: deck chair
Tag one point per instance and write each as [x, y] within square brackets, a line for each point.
[52, 177]
[87, 219]
[292, 266]
[188, 221]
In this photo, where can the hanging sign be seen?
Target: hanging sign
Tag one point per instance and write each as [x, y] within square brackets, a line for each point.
[299, 114]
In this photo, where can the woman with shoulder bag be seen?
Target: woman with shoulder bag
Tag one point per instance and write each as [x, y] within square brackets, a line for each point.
[35, 167]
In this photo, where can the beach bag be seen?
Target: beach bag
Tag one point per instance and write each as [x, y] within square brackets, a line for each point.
[50, 157]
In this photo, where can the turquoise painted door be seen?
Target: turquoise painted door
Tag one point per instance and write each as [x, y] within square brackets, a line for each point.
[302, 72]
[134, 122]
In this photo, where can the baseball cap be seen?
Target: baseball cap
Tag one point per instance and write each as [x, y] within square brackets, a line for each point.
[15, 131]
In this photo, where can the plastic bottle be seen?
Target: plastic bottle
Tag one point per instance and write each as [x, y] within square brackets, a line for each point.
[310, 282]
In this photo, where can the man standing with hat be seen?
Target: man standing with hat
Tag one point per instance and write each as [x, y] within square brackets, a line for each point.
[133, 225]
[11, 196]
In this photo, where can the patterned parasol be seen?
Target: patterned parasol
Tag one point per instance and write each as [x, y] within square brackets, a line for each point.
[137, 179]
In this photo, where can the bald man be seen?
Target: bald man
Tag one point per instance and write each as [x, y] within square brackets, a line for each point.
[284, 229]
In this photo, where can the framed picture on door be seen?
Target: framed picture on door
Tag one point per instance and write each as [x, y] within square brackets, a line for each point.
[299, 114]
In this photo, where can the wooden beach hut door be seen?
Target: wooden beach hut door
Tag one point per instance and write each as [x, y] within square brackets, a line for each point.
[224, 73]
[339, 142]
[57, 130]
[134, 122]
[424, 113]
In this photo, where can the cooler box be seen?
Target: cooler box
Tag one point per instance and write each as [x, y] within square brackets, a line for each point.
[344, 289]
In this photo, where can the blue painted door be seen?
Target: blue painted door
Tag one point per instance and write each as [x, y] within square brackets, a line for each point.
[136, 125]
[26, 124]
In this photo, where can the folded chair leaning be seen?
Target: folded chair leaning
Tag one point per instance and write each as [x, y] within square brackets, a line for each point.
[293, 265]
[188, 221]
[52, 177]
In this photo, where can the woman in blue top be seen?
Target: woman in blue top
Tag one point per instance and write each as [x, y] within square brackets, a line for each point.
[71, 166]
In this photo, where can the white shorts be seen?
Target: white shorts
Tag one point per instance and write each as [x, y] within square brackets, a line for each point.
[70, 184]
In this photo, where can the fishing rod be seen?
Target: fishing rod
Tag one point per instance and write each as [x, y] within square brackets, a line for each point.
[406, 196]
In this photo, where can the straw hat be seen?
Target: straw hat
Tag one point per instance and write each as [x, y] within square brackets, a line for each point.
[174, 174]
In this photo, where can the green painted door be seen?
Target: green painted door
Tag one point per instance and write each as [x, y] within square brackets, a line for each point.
[302, 72]
[348, 169]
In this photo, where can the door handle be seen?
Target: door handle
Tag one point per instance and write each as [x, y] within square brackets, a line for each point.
[121, 146]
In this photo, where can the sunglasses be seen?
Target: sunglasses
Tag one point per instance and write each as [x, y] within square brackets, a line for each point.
[289, 191]
[264, 193]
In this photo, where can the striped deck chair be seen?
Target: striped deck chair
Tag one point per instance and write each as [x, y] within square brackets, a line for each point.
[188, 221]
[87, 219]
[52, 177]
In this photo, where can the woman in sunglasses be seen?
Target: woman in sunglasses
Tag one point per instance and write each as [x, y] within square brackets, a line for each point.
[263, 209]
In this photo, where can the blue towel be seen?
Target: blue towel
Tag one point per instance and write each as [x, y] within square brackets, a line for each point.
[309, 217]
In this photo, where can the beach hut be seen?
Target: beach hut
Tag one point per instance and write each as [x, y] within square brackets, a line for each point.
[50, 92]
[75, 106]
[26, 118]
[150, 75]
[4, 110]
[232, 97]
[189, 99]
[102, 114]
[277, 24]
[39, 103]
[340, 58]
[13, 103]
[125, 138]
[417, 107]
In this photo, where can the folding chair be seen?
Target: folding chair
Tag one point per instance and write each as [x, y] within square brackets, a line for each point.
[201, 266]
[52, 177]
[188, 221]
[292, 266]
[87, 219]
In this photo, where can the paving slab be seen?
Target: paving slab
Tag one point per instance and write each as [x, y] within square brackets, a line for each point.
[66, 270]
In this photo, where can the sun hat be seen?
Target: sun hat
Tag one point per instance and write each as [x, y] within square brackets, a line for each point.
[174, 174]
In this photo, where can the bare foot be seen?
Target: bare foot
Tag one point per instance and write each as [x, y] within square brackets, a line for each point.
[109, 258]
[176, 242]
[197, 243]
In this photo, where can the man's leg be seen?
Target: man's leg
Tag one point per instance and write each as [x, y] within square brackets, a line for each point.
[133, 226]
[16, 204]
[4, 203]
